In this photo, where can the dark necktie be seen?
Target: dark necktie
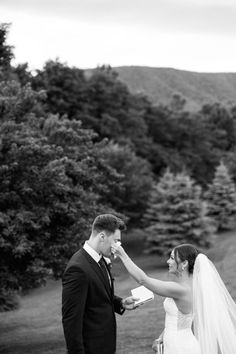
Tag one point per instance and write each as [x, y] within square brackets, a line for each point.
[104, 270]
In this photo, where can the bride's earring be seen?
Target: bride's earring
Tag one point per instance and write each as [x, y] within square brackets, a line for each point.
[180, 271]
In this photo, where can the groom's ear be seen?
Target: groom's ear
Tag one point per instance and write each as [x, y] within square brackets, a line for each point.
[102, 236]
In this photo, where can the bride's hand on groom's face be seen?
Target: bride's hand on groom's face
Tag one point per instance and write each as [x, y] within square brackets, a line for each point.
[117, 249]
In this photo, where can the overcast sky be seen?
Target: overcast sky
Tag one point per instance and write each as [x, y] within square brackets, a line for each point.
[196, 35]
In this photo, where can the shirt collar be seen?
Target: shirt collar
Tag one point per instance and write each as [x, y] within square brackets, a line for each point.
[96, 256]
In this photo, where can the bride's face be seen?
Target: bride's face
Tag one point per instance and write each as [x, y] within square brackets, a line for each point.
[173, 266]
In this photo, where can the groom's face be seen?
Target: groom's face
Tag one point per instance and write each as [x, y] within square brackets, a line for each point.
[108, 240]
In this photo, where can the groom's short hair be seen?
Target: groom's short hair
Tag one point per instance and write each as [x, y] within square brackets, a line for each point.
[109, 223]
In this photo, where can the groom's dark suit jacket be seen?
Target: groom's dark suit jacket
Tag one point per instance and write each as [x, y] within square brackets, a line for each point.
[88, 307]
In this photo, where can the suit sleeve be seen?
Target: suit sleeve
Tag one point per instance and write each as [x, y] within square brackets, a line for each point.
[74, 294]
[117, 302]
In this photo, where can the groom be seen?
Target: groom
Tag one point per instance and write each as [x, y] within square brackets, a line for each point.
[88, 300]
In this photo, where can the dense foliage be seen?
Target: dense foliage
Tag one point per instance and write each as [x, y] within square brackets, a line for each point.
[53, 181]
[132, 198]
[164, 135]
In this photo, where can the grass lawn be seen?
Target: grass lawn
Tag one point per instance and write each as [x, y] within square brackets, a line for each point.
[36, 327]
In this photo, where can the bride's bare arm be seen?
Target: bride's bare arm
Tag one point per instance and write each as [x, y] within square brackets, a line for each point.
[162, 288]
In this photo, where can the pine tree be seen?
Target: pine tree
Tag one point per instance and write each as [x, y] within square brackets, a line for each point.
[221, 199]
[176, 215]
[6, 51]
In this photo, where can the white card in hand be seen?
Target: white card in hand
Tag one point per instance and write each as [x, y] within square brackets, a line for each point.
[143, 294]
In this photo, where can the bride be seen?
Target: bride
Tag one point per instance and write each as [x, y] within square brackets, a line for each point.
[200, 313]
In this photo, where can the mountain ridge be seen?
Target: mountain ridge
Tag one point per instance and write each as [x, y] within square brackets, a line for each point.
[160, 84]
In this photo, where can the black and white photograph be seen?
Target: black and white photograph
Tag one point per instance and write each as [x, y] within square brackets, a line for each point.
[117, 177]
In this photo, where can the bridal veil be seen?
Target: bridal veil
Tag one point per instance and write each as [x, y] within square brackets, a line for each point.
[214, 310]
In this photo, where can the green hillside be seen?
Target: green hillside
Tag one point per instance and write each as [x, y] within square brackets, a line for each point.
[161, 83]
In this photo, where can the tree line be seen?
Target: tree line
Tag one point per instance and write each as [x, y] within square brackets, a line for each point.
[74, 144]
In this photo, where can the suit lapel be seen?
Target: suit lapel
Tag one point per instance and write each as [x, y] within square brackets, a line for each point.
[95, 266]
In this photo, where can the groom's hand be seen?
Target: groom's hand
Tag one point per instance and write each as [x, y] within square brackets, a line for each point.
[129, 303]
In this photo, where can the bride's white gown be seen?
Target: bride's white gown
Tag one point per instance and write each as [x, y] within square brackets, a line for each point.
[178, 335]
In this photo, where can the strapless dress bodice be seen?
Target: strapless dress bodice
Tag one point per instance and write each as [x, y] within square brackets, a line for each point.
[178, 335]
[175, 319]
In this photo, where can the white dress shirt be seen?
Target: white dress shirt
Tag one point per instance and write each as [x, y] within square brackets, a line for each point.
[96, 256]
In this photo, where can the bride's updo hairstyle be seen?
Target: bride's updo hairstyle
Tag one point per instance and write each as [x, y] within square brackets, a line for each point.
[186, 252]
